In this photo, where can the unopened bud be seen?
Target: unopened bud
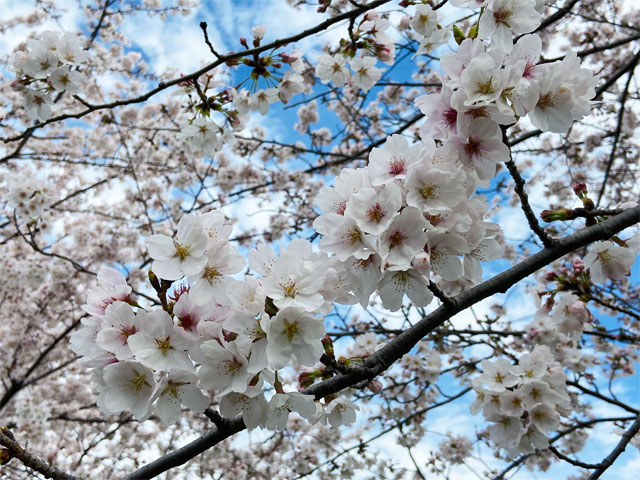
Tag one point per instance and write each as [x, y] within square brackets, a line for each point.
[243, 42]
[551, 276]
[580, 189]
[306, 379]
[374, 386]
[560, 214]
[458, 34]
[578, 265]
[327, 344]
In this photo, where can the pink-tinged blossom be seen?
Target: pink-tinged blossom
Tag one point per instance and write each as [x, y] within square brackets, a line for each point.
[483, 149]
[392, 161]
[176, 389]
[182, 255]
[251, 404]
[119, 323]
[248, 296]
[367, 273]
[435, 188]
[506, 430]
[281, 404]
[112, 286]
[444, 250]
[454, 63]
[38, 105]
[404, 238]
[295, 283]
[160, 344]
[498, 375]
[503, 18]
[565, 93]
[441, 116]
[128, 386]
[294, 332]
[374, 211]
[343, 237]
[607, 260]
[291, 84]
[262, 99]
[334, 199]
[425, 20]
[482, 81]
[467, 114]
[215, 228]
[211, 284]
[224, 367]
[395, 284]
[527, 48]
[254, 329]
[189, 314]
[365, 74]
[332, 69]
[341, 411]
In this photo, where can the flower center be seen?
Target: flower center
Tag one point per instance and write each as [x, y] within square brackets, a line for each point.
[182, 251]
[137, 383]
[429, 191]
[396, 166]
[164, 345]
[290, 289]
[375, 213]
[291, 330]
[396, 238]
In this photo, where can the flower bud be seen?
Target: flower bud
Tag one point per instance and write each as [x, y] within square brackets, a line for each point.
[327, 344]
[306, 379]
[580, 189]
[374, 386]
[560, 214]
[578, 266]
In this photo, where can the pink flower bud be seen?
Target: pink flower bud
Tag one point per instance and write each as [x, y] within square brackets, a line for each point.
[374, 386]
[578, 266]
[580, 189]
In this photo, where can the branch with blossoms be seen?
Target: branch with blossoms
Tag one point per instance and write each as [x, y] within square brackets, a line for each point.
[403, 231]
[378, 362]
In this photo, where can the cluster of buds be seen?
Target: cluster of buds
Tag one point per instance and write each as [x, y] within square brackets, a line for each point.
[574, 279]
[564, 214]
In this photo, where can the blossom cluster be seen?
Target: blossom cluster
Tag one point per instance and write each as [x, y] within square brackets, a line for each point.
[217, 333]
[30, 196]
[375, 45]
[408, 214]
[523, 402]
[48, 65]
